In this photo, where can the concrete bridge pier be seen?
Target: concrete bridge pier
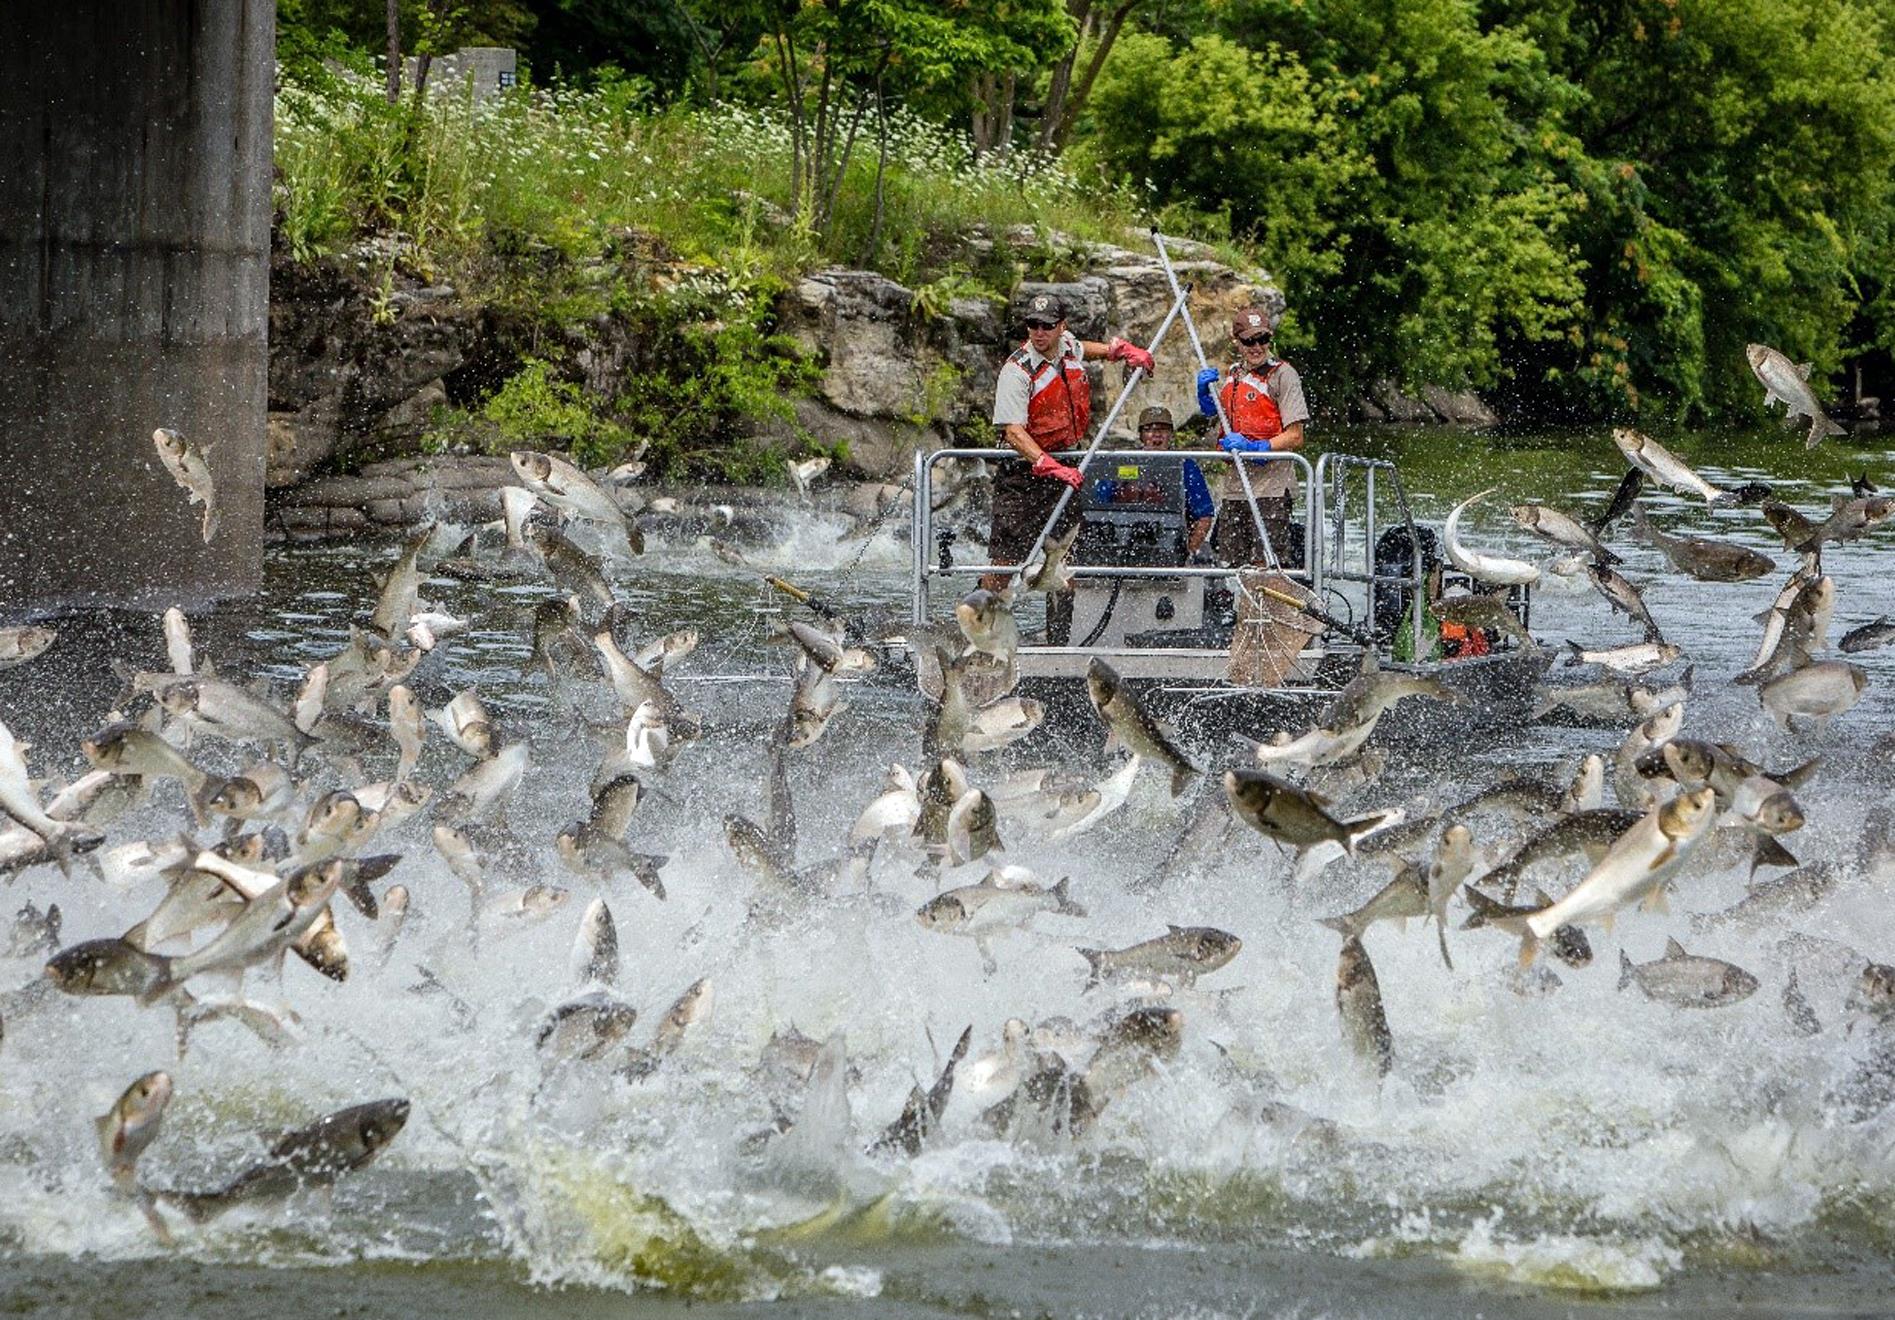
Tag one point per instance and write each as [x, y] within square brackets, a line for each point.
[135, 156]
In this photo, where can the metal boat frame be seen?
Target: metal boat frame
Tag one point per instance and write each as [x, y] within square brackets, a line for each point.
[1329, 659]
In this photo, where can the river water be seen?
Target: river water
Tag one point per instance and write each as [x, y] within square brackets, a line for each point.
[1580, 1150]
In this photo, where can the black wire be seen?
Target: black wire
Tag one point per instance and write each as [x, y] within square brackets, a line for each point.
[1105, 617]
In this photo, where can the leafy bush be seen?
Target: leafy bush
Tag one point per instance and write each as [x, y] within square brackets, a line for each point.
[533, 409]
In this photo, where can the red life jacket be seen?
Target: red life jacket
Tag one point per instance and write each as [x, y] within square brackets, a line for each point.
[1060, 406]
[1252, 412]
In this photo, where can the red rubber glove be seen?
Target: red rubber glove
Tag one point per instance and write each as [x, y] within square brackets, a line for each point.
[1048, 466]
[1120, 350]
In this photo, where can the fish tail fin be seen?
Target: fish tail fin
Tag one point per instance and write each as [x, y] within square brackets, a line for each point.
[1362, 826]
[1770, 852]
[1820, 426]
[1485, 910]
[1341, 925]
[198, 798]
[1181, 778]
[1801, 774]
[1725, 499]
[1441, 933]
[358, 892]
[1062, 894]
[1606, 556]
[1627, 973]
[1094, 977]
[1577, 651]
[125, 675]
[1518, 925]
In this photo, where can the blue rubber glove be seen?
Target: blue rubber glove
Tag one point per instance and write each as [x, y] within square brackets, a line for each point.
[1207, 380]
[1232, 443]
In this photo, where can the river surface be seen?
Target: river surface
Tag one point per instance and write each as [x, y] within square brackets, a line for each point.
[1579, 1151]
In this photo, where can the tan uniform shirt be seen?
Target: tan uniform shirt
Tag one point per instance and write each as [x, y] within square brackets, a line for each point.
[1272, 478]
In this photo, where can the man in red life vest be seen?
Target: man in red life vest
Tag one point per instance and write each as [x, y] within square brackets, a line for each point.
[1263, 400]
[1043, 403]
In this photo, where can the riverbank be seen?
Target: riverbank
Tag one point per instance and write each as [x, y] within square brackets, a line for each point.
[578, 270]
[378, 379]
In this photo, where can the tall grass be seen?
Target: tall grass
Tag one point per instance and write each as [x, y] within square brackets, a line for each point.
[545, 203]
[561, 172]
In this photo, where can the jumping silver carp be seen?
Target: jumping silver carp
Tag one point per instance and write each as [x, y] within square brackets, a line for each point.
[189, 468]
[313, 1156]
[1704, 559]
[1686, 980]
[1666, 468]
[1787, 383]
[1128, 723]
[1493, 569]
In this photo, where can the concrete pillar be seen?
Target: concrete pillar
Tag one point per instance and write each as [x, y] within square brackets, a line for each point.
[134, 293]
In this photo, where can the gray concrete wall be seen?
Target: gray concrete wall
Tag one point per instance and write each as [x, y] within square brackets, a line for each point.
[134, 269]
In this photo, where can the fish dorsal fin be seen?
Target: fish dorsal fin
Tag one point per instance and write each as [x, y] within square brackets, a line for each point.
[1540, 897]
[1673, 949]
[1802, 370]
[1173, 930]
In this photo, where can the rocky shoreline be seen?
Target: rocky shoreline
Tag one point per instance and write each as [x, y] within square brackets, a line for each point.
[362, 357]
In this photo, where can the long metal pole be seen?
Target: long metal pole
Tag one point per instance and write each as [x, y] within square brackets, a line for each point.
[1131, 382]
[1243, 468]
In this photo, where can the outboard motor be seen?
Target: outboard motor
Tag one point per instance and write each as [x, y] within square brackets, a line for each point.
[1394, 557]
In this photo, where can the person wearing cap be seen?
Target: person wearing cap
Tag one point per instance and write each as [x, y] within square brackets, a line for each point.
[1262, 398]
[1157, 431]
[1043, 405]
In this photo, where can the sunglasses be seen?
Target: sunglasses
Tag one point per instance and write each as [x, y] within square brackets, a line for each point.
[1041, 325]
[1255, 341]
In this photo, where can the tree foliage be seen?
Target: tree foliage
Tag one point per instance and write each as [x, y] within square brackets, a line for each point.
[1587, 207]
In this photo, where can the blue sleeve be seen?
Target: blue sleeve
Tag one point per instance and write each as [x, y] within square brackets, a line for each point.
[1197, 495]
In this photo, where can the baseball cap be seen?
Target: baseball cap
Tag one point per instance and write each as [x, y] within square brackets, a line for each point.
[1156, 416]
[1250, 321]
[1047, 307]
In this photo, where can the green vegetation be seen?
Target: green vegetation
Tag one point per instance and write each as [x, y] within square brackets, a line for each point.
[1585, 209]
[558, 206]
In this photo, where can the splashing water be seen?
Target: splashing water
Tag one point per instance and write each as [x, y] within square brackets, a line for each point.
[1585, 1140]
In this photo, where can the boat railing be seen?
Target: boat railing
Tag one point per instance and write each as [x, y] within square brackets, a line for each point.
[1332, 486]
[927, 566]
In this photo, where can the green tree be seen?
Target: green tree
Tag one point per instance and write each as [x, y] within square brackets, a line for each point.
[835, 60]
[1383, 164]
[1736, 161]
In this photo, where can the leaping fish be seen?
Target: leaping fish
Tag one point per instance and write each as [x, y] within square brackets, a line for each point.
[188, 467]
